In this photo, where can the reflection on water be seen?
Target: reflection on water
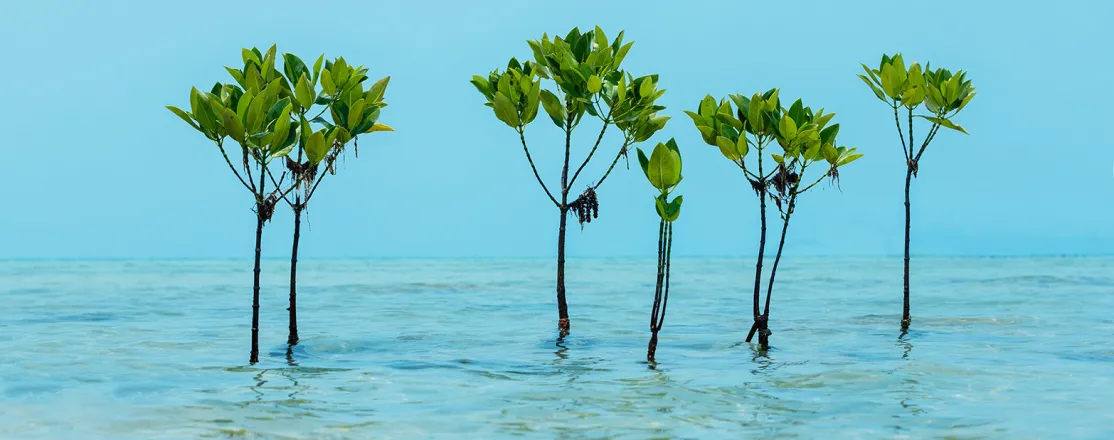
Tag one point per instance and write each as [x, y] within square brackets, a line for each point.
[465, 349]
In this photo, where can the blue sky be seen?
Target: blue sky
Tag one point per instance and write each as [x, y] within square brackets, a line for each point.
[96, 168]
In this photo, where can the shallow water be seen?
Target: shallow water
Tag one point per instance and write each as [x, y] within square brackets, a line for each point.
[1000, 348]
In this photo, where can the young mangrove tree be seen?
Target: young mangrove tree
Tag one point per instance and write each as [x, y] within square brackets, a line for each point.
[663, 169]
[256, 115]
[352, 111]
[740, 125]
[943, 95]
[585, 72]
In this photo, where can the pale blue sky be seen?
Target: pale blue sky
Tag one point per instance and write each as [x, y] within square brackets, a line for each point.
[97, 168]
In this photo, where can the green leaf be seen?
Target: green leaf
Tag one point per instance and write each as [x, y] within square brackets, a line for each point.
[293, 67]
[621, 90]
[877, 92]
[483, 86]
[553, 108]
[251, 56]
[708, 134]
[505, 111]
[355, 114]
[594, 84]
[317, 69]
[664, 167]
[787, 127]
[316, 148]
[828, 135]
[741, 146]
[282, 124]
[772, 101]
[304, 92]
[532, 98]
[379, 127]
[708, 108]
[660, 206]
[185, 116]
[327, 83]
[727, 147]
[965, 101]
[673, 209]
[945, 123]
[379, 89]
[644, 162]
[646, 88]
[889, 84]
[754, 116]
[621, 54]
[696, 119]
[601, 38]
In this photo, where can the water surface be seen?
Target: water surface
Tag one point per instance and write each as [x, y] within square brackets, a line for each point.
[1000, 348]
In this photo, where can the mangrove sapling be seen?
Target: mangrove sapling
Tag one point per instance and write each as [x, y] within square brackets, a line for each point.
[585, 70]
[663, 170]
[943, 95]
[257, 116]
[353, 111]
[805, 139]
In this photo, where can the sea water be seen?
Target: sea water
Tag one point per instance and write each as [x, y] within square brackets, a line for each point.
[398, 349]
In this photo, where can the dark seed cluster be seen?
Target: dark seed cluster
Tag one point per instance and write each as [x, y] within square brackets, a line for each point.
[266, 208]
[783, 180]
[586, 207]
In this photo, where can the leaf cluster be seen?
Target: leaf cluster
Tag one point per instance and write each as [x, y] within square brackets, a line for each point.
[803, 135]
[943, 93]
[585, 68]
[663, 170]
[265, 110]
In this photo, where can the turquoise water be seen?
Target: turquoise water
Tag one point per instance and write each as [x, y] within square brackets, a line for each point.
[1000, 348]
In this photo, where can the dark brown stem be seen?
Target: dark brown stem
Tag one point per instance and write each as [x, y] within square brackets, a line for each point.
[905, 310]
[562, 306]
[667, 259]
[261, 218]
[660, 276]
[652, 349]
[761, 248]
[292, 338]
[522, 137]
[763, 328]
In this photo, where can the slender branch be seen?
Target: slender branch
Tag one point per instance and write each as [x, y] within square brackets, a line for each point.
[320, 178]
[660, 277]
[909, 155]
[821, 179]
[220, 144]
[907, 149]
[668, 251]
[522, 137]
[606, 122]
[278, 184]
[626, 144]
[781, 246]
[932, 134]
[247, 169]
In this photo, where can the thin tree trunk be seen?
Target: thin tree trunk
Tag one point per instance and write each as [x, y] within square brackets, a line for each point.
[758, 265]
[255, 288]
[292, 339]
[261, 215]
[764, 331]
[562, 306]
[652, 348]
[905, 310]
